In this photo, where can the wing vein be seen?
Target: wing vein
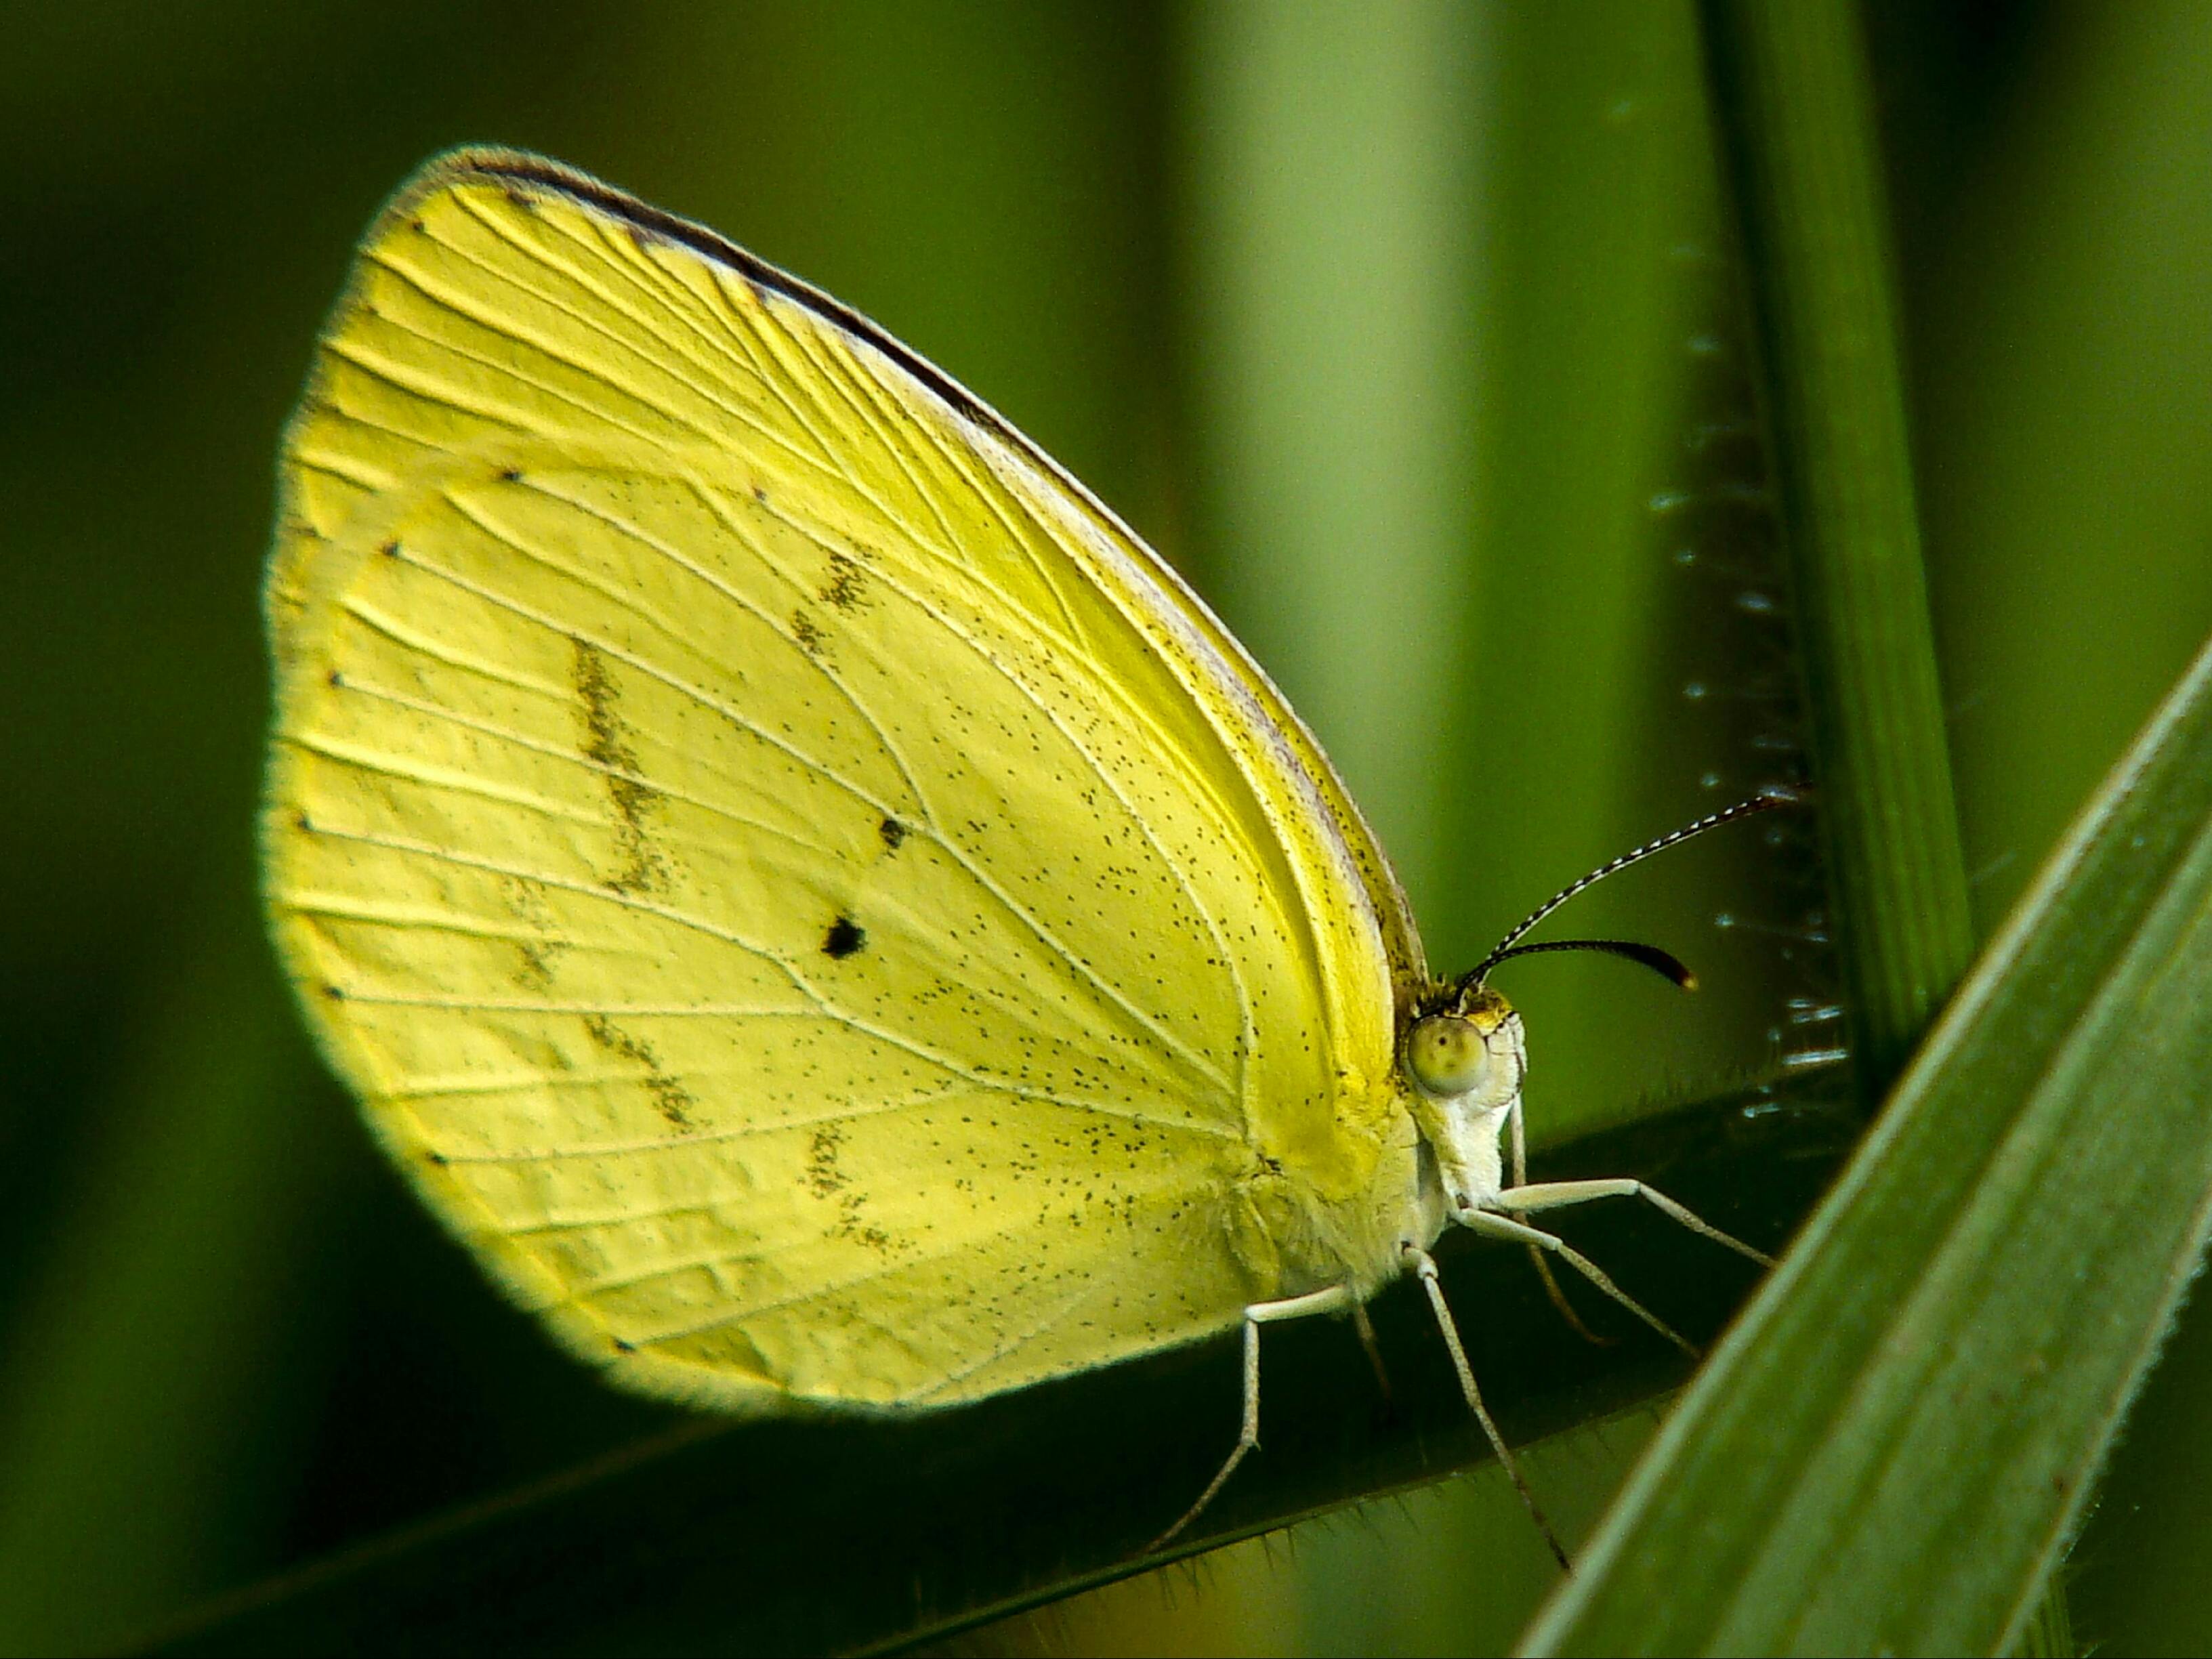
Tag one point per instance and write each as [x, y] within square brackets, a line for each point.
[636, 607]
[1200, 1062]
[1077, 635]
[799, 981]
[493, 322]
[1013, 1344]
[678, 1142]
[1129, 808]
[609, 252]
[566, 757]
[835, 376]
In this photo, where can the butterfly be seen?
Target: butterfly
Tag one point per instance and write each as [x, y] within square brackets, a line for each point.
[815, 903]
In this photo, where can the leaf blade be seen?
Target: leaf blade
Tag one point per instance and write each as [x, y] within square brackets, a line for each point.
[1827, 1483]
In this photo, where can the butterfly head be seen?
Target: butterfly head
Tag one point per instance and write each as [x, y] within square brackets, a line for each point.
[1468, 1049]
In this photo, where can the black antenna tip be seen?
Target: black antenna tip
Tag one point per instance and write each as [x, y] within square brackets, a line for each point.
[1665, 963]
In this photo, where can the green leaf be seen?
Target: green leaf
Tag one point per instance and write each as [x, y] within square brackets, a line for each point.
[1891, 1450]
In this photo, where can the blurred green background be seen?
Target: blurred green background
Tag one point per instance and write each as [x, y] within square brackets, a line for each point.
[1409, 330]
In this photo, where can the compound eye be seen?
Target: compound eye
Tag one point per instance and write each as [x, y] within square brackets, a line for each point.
[1447, 1056]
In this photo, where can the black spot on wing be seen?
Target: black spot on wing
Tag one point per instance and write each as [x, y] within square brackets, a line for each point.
[893, 832]
[844, 938]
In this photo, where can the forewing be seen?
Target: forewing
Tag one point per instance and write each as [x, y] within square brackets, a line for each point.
[795, 892]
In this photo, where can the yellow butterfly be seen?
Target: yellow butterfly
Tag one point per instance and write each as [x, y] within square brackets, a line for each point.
[818, 905]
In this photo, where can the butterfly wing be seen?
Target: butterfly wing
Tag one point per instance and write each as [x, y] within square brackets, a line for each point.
[803, 892]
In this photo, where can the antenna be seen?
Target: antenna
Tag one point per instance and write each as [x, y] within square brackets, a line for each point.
[1771, 799]
[1658, 961]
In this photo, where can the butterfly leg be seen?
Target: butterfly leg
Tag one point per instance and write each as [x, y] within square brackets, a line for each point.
[1317, 1300]
[1494, 1225]
[1365, 1327]
[1425, 1268]
[1518, 1136]
[1555, 1195]
[1335, 1299]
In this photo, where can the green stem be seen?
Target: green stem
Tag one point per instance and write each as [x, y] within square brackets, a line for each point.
[1797, 127]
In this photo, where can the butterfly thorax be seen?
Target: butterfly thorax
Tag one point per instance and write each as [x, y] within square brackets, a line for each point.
[1458, 1076]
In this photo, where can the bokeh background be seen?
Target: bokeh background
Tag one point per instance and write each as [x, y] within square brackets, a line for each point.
[1410, 330]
